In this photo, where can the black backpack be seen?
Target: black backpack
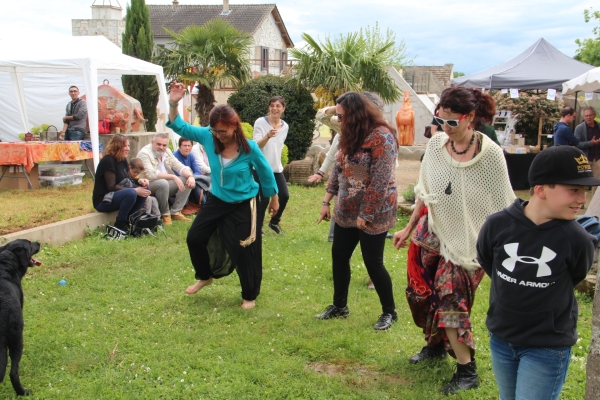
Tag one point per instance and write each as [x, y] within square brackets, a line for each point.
[145, 224]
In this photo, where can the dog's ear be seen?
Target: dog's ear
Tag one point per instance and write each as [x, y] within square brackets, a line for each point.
[23, 255]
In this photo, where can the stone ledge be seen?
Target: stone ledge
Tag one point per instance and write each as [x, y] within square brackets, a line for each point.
[61, 232]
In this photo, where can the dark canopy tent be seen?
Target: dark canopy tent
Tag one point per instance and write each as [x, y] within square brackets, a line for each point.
[541, 66]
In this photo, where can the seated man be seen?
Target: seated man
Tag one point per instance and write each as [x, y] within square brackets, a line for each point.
[159, 167]
[75, 119]
[185, 156]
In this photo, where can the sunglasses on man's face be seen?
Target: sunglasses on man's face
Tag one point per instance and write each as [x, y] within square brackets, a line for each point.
[452, 123]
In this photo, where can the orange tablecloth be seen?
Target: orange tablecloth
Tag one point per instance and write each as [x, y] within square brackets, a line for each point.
[28, 154]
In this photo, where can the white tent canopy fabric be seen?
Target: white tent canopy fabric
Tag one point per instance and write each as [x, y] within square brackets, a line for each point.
[541, 66]
[588, 82]
[89, 56]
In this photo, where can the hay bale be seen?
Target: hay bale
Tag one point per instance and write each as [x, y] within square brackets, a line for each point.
[299, 171]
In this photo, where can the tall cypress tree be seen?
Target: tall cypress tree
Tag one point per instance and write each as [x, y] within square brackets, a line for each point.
[138, 42]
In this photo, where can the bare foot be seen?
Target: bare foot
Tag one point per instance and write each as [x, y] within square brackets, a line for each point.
[198, 285]
[248, 304]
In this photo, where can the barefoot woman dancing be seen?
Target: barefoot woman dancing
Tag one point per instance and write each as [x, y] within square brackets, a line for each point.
[223, 235]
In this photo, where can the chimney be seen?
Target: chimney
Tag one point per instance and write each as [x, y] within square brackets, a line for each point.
[175, 2]
[226, 10]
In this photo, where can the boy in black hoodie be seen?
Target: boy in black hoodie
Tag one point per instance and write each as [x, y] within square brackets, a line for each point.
[536, 253]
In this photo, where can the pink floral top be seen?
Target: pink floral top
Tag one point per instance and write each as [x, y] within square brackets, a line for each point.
[365, 184]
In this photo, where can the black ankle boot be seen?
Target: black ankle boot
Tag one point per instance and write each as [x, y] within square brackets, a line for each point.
[436, 352]
[465, 378]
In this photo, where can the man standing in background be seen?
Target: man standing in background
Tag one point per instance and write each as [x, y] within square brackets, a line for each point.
[75, 119]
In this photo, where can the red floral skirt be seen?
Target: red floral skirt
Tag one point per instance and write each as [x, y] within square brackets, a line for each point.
[440, 294]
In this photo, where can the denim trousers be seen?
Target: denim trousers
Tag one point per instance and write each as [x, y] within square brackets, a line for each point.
[126, 201]
[72, 134]
[529, 373]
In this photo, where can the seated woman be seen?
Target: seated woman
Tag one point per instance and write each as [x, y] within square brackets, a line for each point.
[113, 169]
[185, 156]
[223, 236]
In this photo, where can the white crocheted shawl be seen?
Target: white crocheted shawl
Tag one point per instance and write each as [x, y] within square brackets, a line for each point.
[480, 187]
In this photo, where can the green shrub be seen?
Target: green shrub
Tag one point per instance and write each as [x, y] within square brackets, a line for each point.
[248, 130]
[285, 155]
[252, 99]
[409, 194]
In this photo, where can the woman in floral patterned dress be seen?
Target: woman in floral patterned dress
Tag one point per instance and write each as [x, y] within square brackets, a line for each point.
[367, 201]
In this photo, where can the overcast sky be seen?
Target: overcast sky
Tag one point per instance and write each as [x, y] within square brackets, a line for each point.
[473, 35]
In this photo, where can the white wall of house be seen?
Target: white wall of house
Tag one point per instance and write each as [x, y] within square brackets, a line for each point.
[268, 36]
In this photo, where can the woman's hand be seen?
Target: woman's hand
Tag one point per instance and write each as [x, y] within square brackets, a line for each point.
[143, 182]
[177, 92]
[361, 223]
[315, 178]
[273, 206]
[325, 214]
[400, 237]
[142, 192]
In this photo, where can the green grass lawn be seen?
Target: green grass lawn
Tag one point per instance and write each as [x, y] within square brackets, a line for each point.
[124, 329]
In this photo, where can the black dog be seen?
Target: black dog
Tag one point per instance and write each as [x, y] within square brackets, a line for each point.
[15, 258]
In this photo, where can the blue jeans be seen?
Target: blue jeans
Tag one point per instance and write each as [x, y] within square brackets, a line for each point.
[126, 201]
[529, 373]
[72, 134]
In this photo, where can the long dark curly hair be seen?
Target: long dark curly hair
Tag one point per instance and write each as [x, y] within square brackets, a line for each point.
[361, 117]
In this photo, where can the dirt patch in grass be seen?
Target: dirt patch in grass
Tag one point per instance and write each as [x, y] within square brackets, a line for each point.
[357, 375]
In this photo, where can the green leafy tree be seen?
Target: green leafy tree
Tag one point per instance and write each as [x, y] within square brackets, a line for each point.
[397, 55]
[252, 99]
[458, 74]
[348, 63]
[138, 42]
[213, 54]
[588, 50]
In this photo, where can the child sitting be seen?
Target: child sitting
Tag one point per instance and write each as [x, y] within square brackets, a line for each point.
[536, 253]
[136, 167]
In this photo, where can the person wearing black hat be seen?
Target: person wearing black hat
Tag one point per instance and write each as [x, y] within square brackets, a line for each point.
[536, 253]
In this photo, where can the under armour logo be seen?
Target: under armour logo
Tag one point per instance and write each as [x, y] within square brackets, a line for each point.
[543, 268]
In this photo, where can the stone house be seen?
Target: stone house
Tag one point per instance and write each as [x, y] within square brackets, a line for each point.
[430, 80]
[262, 21]
[107, 21]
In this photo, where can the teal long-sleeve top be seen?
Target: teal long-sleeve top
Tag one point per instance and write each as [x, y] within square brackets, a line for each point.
[233, 182]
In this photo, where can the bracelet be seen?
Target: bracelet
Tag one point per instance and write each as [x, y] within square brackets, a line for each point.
[319, 173]
[174, 106]
[326, 204]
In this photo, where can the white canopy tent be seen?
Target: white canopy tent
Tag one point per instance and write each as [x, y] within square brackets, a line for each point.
[588, 82]
[82, 55]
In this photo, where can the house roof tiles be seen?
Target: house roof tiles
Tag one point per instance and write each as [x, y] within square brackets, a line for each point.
[245, 17]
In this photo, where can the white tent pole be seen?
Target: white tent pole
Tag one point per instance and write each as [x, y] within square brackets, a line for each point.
[163, 98]
[17, 81]
[90, 76]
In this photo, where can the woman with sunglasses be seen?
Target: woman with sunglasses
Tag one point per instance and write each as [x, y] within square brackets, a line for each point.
[363, 178]
[463, 179]
[223, 235]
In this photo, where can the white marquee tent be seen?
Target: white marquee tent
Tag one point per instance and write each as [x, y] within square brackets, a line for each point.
[588, 82]
[91, 57]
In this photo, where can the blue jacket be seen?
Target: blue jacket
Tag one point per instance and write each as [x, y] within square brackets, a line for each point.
[189, 161]
[233, 182]
[563, 135]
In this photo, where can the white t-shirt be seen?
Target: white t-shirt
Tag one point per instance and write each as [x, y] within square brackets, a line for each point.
[274, 146]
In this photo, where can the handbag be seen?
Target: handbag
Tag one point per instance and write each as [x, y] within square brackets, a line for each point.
[427, 133]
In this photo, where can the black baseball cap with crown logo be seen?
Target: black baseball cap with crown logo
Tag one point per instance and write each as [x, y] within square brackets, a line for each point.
[561, 165]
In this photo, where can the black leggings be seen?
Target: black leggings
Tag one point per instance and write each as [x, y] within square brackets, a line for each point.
[283, 194]
[371, 246]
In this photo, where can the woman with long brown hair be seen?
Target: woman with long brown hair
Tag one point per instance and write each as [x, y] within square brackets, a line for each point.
[113, 169]
[223, 235]
[463, 179]
[367, 202]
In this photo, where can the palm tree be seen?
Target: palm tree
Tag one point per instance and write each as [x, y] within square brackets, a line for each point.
[213, 54]
[346, 64]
